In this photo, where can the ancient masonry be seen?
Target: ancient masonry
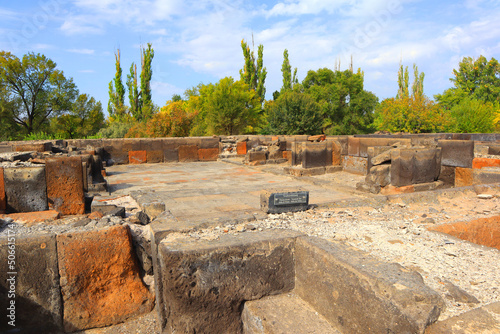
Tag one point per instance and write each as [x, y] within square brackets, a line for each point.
[269, 281]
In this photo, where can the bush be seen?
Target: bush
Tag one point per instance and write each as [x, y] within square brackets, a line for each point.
[115, 129]
[473, 116]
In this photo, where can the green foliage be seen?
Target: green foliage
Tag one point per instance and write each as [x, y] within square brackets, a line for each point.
[478, 79]
[254, 73]
[41, 135]
[293, 113]
[227, 108]
[286, 70]
[133, 90]
[116, 103]
[412, 114]
[84, 119]
[115, 129]
[345, 106]
[474, 116]
[146, 103]
[33, 91]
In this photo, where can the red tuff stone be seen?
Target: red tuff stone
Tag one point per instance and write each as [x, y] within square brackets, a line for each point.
[479, 163]
[34, 147]
[317, 138]
[463, 177]
[155, 156]
[188, 153]
[208, 154]
[3, 201]
[65, 185]
[137, 157]
[483, 231]
[33, 217]
[100, 281]
[241, 148]
[288, 156]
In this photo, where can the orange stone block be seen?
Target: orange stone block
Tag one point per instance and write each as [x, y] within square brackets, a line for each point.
[188, 153]
[103, 172]
[274, 138]
[155, 156]
[34, 147]
[64, 177]
[241, 148]
[208, 154]
[479, 163]
[288, 156]
[33, 217]
[137, 157]
[483, 231]
[391, 190]
[100, 282]
[336, 154]
[317, 138]
[463, 177]
[3, 200]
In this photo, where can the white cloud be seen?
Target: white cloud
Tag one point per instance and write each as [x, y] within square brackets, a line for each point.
[86, 71]
[82, 51]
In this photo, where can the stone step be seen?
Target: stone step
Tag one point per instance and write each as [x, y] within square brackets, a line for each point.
[285, 313]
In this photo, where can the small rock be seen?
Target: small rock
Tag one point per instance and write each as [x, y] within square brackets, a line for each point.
[484, 196]
[459, 295]
[250, 227]
[429, 221]
[240, 228]
[142, 217]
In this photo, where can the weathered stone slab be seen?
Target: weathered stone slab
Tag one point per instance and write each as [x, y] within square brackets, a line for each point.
[463, 177]
[482, 320]
[26, 189]
[100, 281]
[155, 156]
[39, 147]
[65, 185]
[33, 217]
[285, 313]
[284, 200]
[315, 155]
[494, 149]
[3, 200]
[114, 150]
[188, 153]
[413, 166]
[256, 156]
[204, 283]
[378, 155]
[296, 153]
[359, 294]
[137, 157]
[486, 175]
[241, 148]
[365, 143]
[353, 146]
[447, 175]
[355, 165]
[208, 154]
[336, 153]
[38, 304]
[379, 175]
[457, 153]
[288, 156]
[479, 163]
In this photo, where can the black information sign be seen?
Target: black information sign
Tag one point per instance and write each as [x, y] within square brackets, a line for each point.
[300, 197]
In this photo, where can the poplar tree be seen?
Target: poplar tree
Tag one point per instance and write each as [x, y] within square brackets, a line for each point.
[133, 90]
[286, 69]
[254, 73]
[146, 103]
[116, 104]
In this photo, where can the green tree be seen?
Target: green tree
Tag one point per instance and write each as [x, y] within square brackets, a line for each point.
[345, 106]
[293, 113]
[254, 73]
[133, 90]
[229, 107]
[474, 116]
[84, 119]
[475, 78]
[146, 102]
[33, 90]
[116, 103]
[286, 70]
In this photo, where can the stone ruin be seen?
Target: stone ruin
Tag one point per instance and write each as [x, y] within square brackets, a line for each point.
[93, 277]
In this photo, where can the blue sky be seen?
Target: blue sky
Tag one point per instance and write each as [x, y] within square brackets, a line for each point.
[199, 41]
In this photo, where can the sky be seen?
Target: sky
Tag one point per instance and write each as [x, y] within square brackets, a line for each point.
[199, 41]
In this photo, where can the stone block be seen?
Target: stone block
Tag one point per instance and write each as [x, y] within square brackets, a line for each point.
[486, 175]
[413, 166]
[3, 200]
[285, 313]
[482, 320]
[208, 154]
[288, 156]
[365, 143]
[494, 149]
[447, 175]
[5, 148]
[479, 163]
[155, 156]
[151, 144]
[463, 177]
[207, 142]
[114, 150]
[316, 138]
[33, 217]
[188, 153]
[256, 156]
[241, 148]
[315, 155]
[284, 200]
[205, 283]
[296, 153]
[36, 147]
[38, 304]
[100, 281]
[65, 185]
[457, 153]
[132, 144]
[26, 189]
[379, 175]
[336, 153]
[357, 293]
[137, 157]
[355, 165]
[170, 155]
[378, 155]
[353, 146]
